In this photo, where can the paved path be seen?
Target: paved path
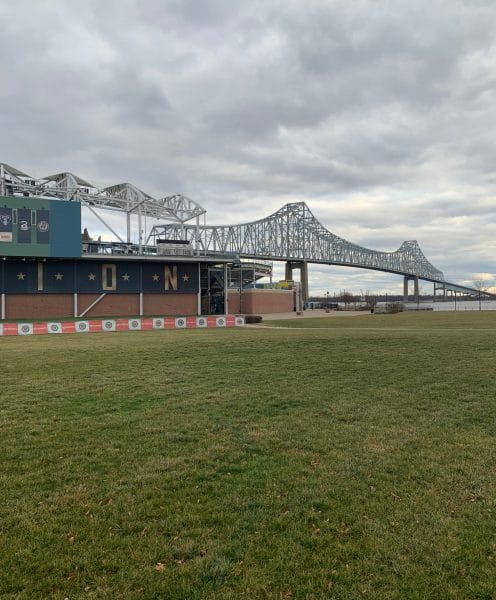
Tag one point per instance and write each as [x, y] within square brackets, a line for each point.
[316, 312]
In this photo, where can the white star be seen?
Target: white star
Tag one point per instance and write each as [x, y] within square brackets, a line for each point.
[155, 277]
[91, 277]
[21, 276]
[125, 277]
[185, 277]
[59, 276]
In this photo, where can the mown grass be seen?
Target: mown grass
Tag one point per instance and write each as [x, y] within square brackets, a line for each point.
[351, 460]
[411, 320]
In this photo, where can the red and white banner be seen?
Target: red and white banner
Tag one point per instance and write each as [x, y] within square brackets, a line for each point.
[121, 324]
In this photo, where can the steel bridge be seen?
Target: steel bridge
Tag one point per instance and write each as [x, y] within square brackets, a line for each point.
[292, 234]
[295, 236]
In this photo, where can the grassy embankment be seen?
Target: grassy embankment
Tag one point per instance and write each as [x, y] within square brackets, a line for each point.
[356, 460]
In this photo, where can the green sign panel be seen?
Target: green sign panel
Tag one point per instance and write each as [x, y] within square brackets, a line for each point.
[39, 227]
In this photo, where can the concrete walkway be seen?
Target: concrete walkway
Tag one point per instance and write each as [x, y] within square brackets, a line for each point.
[316, 312]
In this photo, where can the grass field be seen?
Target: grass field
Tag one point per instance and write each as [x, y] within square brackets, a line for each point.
[315, 458]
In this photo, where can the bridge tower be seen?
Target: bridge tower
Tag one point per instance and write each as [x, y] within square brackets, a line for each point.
[438, 287]
[415, 280]
[302, 265]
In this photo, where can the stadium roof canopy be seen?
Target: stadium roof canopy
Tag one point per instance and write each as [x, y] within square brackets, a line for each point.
[60, 177]
[124, 197]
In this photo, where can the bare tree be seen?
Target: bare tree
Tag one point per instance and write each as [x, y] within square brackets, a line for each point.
[370, 301]
[347, 298]
[481, 286]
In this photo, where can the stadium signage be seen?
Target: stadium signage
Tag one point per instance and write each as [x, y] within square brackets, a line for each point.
[90, 276]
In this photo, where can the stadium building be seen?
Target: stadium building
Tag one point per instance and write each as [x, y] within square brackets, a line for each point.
[49, 268]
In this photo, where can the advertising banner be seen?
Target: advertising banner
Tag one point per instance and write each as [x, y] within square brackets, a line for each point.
[24, 225]
[43, 227]
[5, 224]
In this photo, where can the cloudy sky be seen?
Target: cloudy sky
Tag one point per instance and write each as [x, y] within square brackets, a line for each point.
[379, 114]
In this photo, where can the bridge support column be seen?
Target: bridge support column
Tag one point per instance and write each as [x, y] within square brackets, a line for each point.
[303, 267]
[304, 280]
[415, 279]
[439, 287]
[288, 274]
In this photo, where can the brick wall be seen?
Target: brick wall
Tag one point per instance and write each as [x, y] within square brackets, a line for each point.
[170, 304]
[54, 306]
[44, 306]
[258, 301]
[122, 305]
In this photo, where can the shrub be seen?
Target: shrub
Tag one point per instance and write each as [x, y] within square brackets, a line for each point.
[253, 319]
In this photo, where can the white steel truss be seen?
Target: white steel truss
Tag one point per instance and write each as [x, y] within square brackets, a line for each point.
[294, 234]
[124, 197]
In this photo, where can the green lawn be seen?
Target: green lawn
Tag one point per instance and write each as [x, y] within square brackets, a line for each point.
[345, 458]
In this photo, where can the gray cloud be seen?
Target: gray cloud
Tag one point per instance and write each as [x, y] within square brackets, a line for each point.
[379, 115]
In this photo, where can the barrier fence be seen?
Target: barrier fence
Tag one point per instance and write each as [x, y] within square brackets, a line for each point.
[121, 324]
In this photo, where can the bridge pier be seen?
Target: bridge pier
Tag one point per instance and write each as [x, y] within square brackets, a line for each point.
[438, 287]
[303, 267]
[415, 280]
[288, 272]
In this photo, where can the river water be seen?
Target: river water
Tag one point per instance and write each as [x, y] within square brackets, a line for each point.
[459, 305]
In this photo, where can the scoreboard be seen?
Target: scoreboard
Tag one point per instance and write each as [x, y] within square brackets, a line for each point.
[39, 227]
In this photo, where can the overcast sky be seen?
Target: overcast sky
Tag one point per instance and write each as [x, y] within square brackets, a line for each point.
[379, 114]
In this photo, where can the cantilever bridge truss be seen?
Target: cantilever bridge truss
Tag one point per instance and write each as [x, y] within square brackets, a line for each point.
[294, 234]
